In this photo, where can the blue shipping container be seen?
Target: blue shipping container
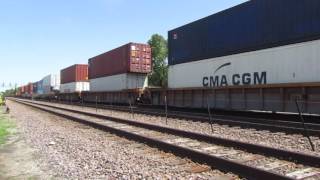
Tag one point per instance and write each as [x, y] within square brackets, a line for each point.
[253, 25]
[40, 87]
[35, 87]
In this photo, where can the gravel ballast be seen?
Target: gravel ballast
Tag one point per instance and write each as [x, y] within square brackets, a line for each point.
[69, 150]
[293, 142]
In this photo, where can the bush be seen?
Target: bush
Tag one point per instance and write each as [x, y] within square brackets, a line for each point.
[1, 100]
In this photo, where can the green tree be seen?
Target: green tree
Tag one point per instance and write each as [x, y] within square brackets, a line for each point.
[1, 99]
[9, 92]
[159, 46]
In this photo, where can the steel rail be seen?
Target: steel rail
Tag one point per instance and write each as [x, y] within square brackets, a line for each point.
[213, 161]
[290, 127]
[254, 148]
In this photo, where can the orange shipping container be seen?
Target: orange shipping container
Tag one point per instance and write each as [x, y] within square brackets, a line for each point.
[129, 58]
[74, 73]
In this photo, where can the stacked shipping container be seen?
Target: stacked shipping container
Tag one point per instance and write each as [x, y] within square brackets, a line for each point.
[35, 88]
[119, 82]
[257, 42]
[122, 68]
[129, 58]
[40, 87]
[30, 89]
[50, 83]
[74, 79]
[74, 73]
[250, 26]
[26, 90]
[47, 85]
[286, 64]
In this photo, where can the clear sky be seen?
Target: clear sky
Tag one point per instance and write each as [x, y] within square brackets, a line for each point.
[40, 37]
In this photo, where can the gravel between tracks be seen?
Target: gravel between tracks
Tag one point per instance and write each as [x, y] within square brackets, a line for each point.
[293, 142]
[74, 151]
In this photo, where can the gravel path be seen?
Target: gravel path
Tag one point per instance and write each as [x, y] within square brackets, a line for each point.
[73, 151]
[294, 142]
[17, 159]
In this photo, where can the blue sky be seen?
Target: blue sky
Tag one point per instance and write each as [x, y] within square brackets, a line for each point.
[39, 37]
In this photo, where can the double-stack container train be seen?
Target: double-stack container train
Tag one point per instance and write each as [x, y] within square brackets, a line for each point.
[259, 55]
[50, 84]
[47, 86]
[123, 68]
[26, 91]
[120, 75]
[74, 79]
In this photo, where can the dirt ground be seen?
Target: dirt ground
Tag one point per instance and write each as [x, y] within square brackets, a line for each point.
[17, 159]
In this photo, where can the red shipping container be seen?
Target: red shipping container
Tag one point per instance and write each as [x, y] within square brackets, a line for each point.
[129, 58]
[74, 73]
[28, 89]
[22, 89]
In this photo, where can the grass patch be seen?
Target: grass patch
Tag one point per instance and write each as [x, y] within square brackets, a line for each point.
[5, 126]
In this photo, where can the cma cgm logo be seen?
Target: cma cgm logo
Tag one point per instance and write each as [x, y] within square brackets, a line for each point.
[253, 78]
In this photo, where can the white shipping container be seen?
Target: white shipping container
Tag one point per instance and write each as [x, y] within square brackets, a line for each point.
[74, 87]
[47, 90]
[295, 63]
[119, 82]
[51, 82]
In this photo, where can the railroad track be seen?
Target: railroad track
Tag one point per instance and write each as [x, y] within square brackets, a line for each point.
[247, 160]
[292, 127]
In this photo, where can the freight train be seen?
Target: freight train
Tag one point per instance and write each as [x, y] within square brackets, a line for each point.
[260, 55]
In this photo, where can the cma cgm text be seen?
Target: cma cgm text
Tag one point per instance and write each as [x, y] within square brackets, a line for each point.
[255, 78]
